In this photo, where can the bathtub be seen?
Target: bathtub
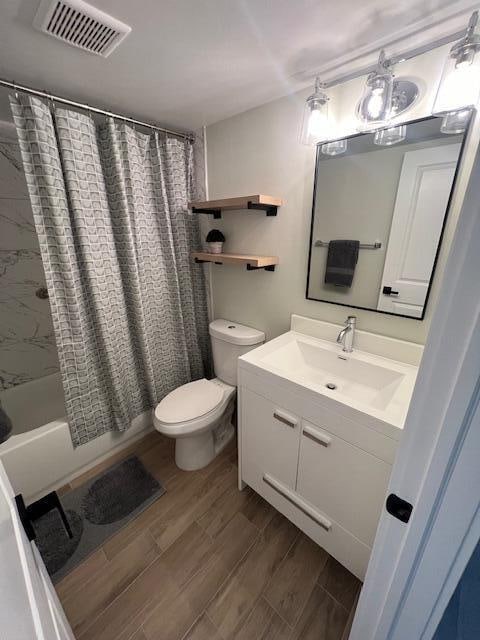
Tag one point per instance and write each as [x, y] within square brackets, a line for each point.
[39, 455]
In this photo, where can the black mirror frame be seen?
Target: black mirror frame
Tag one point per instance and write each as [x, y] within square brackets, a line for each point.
[440, 240]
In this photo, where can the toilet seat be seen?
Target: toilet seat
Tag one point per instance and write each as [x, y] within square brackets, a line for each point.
[190, 401]
[192, 408]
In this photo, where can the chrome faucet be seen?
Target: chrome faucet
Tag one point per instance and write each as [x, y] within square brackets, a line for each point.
[347, 334]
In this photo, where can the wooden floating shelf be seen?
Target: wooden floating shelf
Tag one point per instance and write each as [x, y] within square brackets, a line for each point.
[260, 202]
[253, 262]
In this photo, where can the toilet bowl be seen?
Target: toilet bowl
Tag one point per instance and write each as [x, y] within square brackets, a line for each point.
[195, 415]
[199, 414]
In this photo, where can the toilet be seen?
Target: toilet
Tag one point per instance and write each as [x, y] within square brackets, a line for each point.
[199, 414]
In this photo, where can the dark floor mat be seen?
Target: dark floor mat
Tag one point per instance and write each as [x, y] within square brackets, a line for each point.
[119, 491]
[96, 510]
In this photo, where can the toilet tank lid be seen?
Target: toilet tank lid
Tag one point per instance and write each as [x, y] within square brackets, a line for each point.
[235, 333]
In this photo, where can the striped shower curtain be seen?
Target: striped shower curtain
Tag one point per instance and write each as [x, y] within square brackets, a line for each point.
[115, 233]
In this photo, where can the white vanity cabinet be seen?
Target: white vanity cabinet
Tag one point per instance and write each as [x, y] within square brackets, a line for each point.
[318, 430]
[271, 438]
[342, 481]
[298, 456]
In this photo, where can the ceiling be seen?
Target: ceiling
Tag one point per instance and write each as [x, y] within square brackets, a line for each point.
[188, 63]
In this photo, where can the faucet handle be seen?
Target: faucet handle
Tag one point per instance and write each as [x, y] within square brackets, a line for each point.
[351, 320]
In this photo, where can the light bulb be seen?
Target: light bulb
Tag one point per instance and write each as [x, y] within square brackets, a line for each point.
[375, 107]
[375, 103]
[315, 117]
[460, 79]
[459, 88]
[316, 123]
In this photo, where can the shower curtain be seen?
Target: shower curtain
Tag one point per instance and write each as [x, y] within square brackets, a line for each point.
[115, 233]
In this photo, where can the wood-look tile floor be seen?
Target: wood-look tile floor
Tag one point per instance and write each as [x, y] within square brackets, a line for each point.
[207, 562]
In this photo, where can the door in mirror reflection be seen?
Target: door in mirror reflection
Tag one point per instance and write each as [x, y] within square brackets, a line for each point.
[423, 190]
[389, 205]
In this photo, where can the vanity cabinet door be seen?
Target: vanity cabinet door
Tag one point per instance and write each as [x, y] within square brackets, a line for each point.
[270, 440]
[342, 481]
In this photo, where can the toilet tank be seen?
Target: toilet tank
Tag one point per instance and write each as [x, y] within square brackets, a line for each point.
[231, 340]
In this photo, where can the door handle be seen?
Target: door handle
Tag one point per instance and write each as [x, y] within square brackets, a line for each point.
[388, 291]
[399, 508]
[287, 419]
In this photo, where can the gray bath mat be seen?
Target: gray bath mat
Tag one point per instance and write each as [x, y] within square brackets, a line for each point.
[96, 510]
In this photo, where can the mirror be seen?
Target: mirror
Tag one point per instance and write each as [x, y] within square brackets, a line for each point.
[378, 217]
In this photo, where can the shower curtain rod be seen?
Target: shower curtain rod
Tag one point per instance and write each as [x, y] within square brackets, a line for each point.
[80, 105]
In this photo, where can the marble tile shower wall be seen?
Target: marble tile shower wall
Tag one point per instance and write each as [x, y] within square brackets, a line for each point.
[27, 343]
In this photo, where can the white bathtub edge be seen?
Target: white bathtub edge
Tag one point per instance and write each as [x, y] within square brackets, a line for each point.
[44, 459]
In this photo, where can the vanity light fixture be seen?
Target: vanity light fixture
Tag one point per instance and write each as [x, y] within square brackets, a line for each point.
[459, 87]
[375, 107]
[315, 123]
[391, 135]
[334, 148]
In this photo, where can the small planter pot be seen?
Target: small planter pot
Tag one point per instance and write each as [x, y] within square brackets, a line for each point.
[215, 247]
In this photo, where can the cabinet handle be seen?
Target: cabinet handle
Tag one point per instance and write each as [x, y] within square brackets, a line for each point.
[316, 436]
[292, 497]
[285, 418]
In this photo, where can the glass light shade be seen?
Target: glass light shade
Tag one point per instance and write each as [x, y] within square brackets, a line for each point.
[376, 104]
[459, 86]
[455, 121]
[391, 135]
[334, 148]
[315, 124]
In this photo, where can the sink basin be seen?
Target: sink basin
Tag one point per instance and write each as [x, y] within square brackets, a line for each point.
[369, 383]
[366, 382]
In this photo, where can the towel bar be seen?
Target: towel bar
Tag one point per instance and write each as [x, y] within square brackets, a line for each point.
[376, 245]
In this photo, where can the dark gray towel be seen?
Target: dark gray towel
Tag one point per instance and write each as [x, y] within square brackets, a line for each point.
[5, 426]
[341, 262]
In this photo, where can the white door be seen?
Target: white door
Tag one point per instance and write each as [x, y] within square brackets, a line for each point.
[29, 607]
[415, 567]
[422, 199]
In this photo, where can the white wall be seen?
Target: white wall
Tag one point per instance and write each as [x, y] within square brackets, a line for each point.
[27, 344]
[258, 152]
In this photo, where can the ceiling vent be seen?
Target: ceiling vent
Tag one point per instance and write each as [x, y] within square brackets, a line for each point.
[81, 25]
